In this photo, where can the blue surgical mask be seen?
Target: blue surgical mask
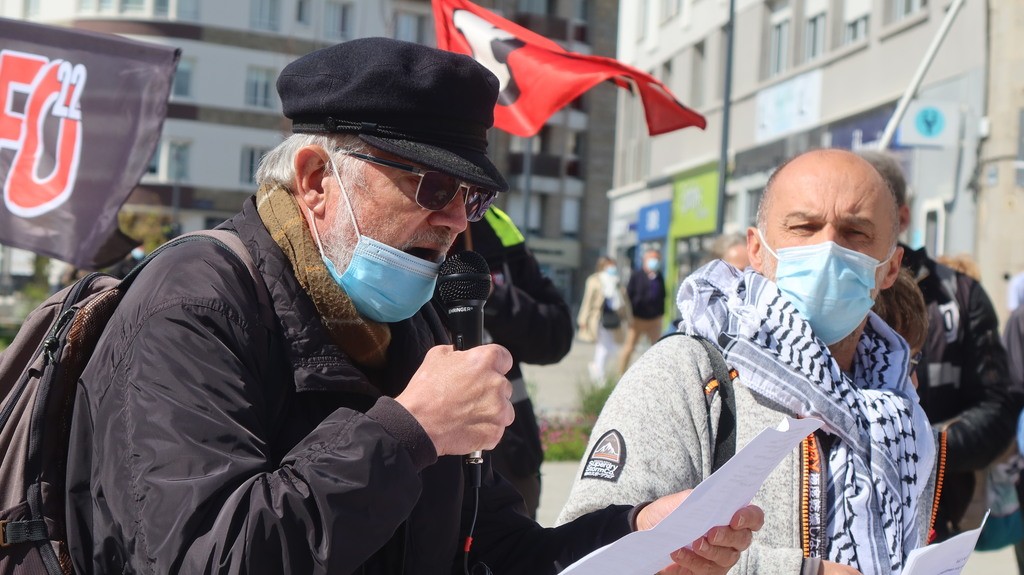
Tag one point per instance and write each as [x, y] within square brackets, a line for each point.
[385, 284]
[653, 264]
[828, 284]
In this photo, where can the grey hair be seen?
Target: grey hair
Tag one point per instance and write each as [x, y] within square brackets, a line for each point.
[889, 168]
[278, 166]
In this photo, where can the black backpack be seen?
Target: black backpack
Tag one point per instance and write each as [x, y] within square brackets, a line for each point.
[38, 378]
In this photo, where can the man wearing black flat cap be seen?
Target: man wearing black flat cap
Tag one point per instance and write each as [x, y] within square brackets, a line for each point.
[312, 417]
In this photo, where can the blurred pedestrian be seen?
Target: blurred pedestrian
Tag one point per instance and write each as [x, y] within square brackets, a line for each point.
[646, 293]
[963, 381]
[603, 314]
[732, 249]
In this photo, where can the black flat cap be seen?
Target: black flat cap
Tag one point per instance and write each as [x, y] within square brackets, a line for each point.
[426, 105]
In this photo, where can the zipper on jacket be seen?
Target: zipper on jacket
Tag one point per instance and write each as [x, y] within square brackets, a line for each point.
[940, 474]
[813, 469]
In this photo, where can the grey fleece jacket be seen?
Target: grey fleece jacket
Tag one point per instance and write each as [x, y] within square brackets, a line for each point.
[658, 409]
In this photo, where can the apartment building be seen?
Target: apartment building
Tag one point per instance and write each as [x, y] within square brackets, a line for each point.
[806, 74]
[224, 113]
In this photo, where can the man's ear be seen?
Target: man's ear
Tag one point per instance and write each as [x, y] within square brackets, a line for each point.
[892, 268]
[310, 169]
[754, 252]
[904, 216]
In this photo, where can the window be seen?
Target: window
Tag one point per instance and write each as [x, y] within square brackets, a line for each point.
[302, 11]
[154, 162]
[814, 37]
[570, 217]
[666, 73]
[778, 39]
[106, 4]
[182, 87]
[161, 8]
[534, 6]
[337, 20]
[753, 199]
[580, 9]
[411, 27]
[177, 161]
[259, 87]
[855, 20]
[670, 9]
[855, 30]
[133, 5]
[697, 82]
[641, 23]
[903, 8]
[251, 157]
[188, 9]
[723, 51]
[265, 14]
[31, 8]
[1019, 164]
[86, 4]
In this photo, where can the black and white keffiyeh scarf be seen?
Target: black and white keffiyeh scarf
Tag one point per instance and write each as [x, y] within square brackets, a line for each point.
[881, 463]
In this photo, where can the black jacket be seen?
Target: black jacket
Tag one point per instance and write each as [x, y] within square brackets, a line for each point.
[963, 380]
[207, 440]
[646, 294]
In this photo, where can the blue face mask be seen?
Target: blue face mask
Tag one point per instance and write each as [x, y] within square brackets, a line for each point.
[829, 285]
[653, 264]
[385, 284]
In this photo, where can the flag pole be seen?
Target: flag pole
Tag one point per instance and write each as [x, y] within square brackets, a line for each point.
[723, 158]
[922, 68]
[527, 173]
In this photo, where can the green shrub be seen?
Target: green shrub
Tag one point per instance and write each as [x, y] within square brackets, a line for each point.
[593, 397]
[565, 438]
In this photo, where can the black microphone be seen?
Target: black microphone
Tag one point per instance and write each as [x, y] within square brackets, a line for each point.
[463, 285]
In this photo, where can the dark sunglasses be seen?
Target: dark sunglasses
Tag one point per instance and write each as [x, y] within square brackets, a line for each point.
[436, 190]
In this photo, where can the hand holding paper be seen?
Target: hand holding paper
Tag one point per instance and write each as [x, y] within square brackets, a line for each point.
[712, 503]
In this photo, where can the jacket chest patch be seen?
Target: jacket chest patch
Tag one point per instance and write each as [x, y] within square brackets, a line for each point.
[607, 458]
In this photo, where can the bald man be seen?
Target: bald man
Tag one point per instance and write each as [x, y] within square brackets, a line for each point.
[797, 327]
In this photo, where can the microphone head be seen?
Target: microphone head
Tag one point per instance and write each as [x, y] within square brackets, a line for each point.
[464, 276]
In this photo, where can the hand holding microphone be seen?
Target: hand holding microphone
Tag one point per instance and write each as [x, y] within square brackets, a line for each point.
[460, 394]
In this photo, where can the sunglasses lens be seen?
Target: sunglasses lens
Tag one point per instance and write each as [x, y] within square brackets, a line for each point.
[436, 190]
[477, 201]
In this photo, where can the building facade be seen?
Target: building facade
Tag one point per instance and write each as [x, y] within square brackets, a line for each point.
[224, 113]
[806, 74]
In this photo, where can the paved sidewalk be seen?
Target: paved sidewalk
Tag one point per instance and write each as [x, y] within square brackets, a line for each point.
[555, 391]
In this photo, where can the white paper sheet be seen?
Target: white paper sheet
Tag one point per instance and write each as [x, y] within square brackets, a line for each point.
[946, 558]
[711, 503]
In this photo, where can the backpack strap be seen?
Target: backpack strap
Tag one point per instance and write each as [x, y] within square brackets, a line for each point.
[230, 242]
[720, 384]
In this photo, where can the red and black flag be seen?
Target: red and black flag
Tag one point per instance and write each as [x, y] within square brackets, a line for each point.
[80, 116]
[538, 77]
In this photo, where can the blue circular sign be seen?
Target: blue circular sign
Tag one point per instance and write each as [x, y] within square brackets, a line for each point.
[930, 122]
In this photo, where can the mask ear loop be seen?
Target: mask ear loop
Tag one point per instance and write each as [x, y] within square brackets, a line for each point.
[764, 243]
[348, 202]
[344, 194]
